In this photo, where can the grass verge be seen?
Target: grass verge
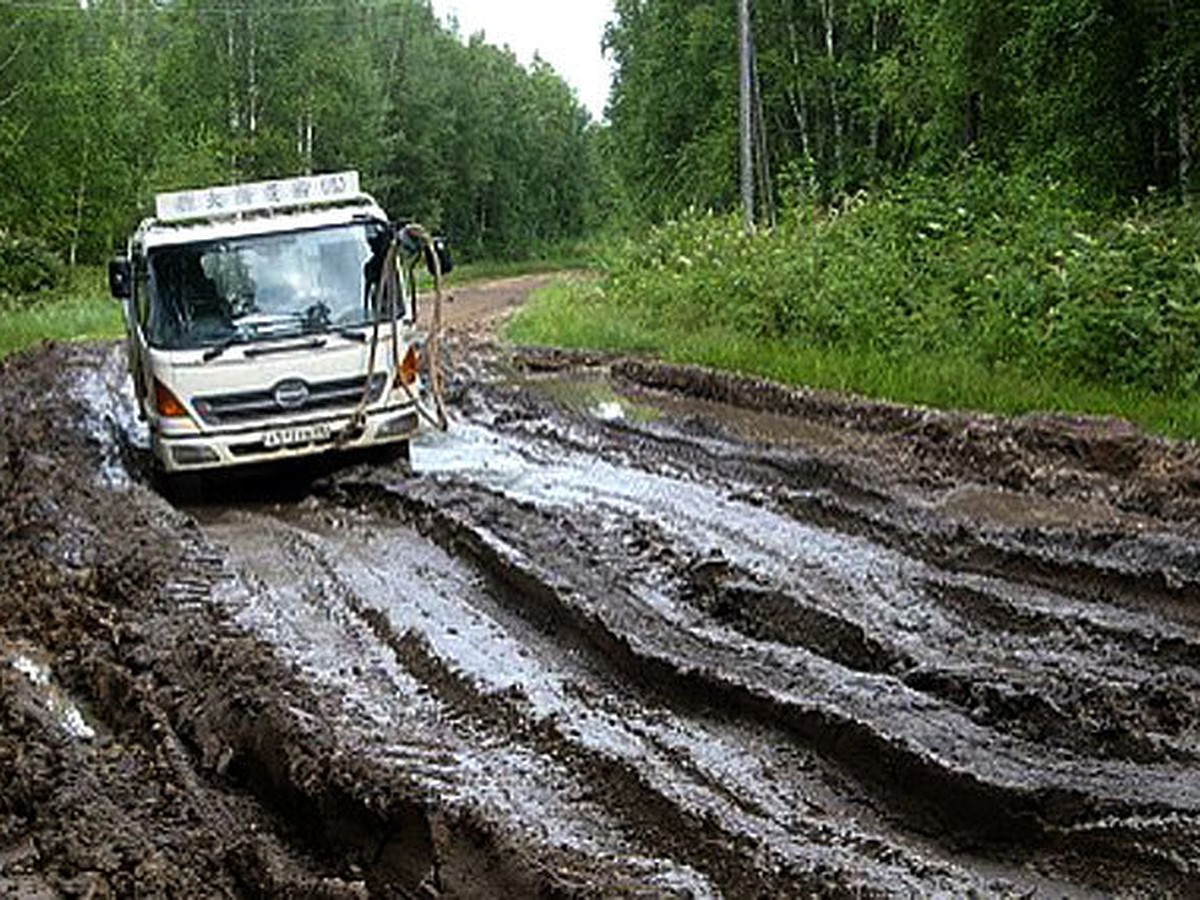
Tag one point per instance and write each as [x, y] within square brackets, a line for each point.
[82, 311]
[577, 313]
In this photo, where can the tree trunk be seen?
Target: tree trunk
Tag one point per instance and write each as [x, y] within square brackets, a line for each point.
[308, 144]
[304, 138]
[745, 114]
[231, 98]
[972, 115]
[1185, 137]
[876, 113]
[827, 12]
[765, 187]
[800, 114]
[1184, 109]
[80, 194]
[796, 95]
[252, 88]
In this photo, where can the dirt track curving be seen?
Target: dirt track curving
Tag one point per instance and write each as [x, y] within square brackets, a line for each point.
[626, 629]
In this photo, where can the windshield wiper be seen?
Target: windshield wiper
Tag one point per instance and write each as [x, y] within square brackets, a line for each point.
[350, 332]
[314, 344]
[219, 349]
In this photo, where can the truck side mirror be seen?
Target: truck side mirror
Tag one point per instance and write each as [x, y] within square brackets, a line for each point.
[445, 261]
[120, 278]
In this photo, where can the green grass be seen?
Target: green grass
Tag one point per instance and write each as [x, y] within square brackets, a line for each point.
[81, 310]
[577, 313]
[977, 290]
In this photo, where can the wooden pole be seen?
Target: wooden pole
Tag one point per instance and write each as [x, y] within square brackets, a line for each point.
[745, 117]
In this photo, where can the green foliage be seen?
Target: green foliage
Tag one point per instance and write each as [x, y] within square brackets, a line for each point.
[674, 106]
[1102, 93]
[105, 104]
[82, 309]
[577, 313]
[979, 273]
[27, 266]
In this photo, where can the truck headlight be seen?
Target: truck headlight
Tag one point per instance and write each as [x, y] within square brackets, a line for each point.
[194, 455]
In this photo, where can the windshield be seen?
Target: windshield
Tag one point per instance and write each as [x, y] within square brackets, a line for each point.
[268, 286]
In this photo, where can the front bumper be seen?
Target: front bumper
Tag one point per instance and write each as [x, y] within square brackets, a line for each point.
[280, 441]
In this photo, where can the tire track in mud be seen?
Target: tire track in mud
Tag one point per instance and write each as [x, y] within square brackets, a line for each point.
[1133, 559]
[1020, 794]
[657, 779]
[1143, 801]
[1153, 630]
[902, 674]
[498, 766]
[574, 656]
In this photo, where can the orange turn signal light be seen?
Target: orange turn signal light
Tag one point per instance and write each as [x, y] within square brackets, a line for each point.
[168, 404]
[410, 367]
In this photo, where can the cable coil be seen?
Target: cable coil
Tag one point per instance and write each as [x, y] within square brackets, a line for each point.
[389, 301]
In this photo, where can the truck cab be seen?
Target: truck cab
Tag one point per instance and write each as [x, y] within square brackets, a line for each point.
[269, 321]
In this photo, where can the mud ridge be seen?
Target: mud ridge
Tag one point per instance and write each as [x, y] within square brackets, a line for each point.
[212, 768]
[995, 810]
[1107, 445]
[1059, 455]
[1150, 569]
[762, 613]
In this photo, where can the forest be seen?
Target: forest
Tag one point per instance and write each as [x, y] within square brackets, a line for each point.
[851, 93]
[106, 102]
[973, 203]
[983, 202]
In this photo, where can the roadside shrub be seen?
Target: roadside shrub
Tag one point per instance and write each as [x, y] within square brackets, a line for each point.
[27, 266]
[1005, 270]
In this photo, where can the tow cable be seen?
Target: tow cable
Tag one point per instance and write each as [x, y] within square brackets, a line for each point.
[419, 243]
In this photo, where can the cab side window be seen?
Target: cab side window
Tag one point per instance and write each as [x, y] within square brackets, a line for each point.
[141, 290]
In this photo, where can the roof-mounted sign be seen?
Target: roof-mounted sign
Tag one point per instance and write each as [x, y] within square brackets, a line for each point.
[231, 200]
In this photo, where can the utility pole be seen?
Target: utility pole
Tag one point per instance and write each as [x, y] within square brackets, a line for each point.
[746, 123]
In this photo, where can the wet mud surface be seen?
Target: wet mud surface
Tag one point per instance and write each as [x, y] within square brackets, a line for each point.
[627, 629]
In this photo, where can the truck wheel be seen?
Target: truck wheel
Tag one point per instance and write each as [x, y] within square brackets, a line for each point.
[180, 488]
[396, 454]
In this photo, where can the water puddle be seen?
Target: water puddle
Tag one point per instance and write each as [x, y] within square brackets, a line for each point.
[595, 394]
[61, 707]
[751, 425]
[591, 394]
[1007, 509]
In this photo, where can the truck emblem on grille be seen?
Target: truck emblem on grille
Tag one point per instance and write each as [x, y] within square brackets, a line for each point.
[291, 394]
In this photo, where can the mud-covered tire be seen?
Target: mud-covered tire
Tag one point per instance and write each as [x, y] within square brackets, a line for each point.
[180, 488]
[398, 453]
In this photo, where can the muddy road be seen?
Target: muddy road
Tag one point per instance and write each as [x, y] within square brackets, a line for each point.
[627, 629]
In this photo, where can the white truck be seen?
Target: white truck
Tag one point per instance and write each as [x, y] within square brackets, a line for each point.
[275, 320]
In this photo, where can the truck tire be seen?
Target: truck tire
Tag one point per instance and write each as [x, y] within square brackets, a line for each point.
[180, 488]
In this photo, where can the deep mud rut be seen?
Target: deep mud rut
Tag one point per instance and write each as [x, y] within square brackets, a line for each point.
[627, 629]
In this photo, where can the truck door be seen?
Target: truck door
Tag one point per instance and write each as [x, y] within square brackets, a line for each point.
[136, 314]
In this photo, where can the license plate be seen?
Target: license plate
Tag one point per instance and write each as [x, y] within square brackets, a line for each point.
[294, 437]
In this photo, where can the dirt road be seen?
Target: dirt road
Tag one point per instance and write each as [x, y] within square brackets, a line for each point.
[626, 629]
